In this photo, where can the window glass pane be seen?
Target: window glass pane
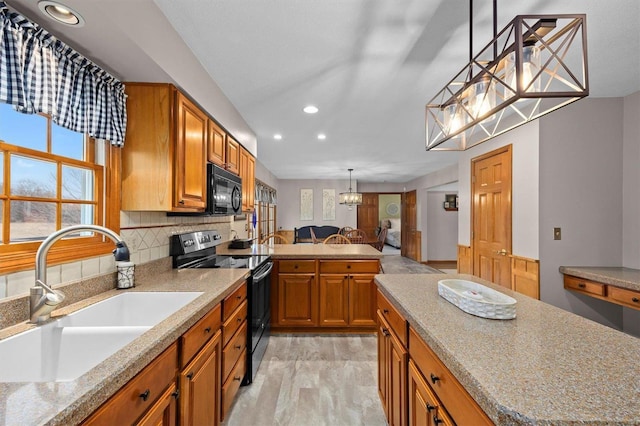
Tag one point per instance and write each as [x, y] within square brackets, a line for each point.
[34, 178]
[32, 220]
[77, 183]
[27, 130]
[77, 214]
[66, 142]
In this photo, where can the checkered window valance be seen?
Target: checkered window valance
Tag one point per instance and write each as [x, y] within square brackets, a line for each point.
[40, 74]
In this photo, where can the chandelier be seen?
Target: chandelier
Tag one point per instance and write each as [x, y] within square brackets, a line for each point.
[535, 65]
[350, 198]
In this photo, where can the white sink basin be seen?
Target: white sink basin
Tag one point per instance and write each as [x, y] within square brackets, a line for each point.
[65, 349]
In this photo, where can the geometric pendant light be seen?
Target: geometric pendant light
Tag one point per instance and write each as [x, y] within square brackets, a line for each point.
[350, 198]
[535, 65]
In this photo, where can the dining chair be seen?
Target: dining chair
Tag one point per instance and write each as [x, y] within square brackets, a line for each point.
[344, 230]
[274, 239]
[357, 236]
[313, 236]
[336, 239]
[379, 243]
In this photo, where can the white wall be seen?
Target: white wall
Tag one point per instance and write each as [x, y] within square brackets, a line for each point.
[524, 188]
[441, 236]
[581, 192]
[631, 182]
[631, 199]
[288, 213]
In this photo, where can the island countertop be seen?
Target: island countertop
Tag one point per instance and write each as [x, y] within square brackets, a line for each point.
[307, 251]
[66, 403]
[546, 366]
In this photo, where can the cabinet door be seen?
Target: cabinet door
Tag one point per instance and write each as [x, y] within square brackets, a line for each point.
[200, 386]
[191, 145]
[217, 144]
[232, 156]
[297, 300]
[247, 173]
[398, 358]
[334, 300]
[384, 346]
[163, 412]
[424, 407]
[362, 300]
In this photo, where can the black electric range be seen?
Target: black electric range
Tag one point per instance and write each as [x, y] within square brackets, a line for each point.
[194, 250]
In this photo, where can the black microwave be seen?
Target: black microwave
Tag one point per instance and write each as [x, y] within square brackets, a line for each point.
[224, 192]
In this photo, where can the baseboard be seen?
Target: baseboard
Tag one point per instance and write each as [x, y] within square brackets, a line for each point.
[438, 264]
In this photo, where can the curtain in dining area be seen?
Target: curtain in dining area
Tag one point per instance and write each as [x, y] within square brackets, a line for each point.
[41, 74]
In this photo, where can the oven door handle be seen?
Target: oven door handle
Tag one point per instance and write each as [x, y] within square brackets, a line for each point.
[263, 274]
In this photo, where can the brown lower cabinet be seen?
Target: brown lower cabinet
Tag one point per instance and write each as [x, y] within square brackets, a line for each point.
[184, 384]
[325, 294]
[415, 387]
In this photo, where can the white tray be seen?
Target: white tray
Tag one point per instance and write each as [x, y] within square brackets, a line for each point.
[477, 299]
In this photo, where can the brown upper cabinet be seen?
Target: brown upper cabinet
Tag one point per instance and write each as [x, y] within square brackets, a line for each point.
[223, 150]
[247, 173]
[166, 142]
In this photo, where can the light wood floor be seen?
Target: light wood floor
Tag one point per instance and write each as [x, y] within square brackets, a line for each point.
[313, 380]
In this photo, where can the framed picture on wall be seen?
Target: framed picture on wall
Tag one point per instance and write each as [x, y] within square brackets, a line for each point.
[306, 204]
[328, 204]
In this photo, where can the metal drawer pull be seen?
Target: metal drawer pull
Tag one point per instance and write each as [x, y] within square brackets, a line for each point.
[386, 332]
[635, 299]
[238, 347]
[239, 319]
[582, 285]
[437, 420]
[385, 311]
[237, 378]
[145, 395]
[434, 378]
[207, 330]
[190, 376]
[430, 407]
[239, 297]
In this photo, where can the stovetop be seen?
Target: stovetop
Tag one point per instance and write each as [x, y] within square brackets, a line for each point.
[198, 250]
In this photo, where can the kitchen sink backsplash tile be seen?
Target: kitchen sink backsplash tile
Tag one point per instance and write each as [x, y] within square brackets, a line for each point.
[147, 236]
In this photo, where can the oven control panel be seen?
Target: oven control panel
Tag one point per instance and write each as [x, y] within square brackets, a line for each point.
[195, 241]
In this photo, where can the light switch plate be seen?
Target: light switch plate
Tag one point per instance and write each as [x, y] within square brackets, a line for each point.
[557, 234]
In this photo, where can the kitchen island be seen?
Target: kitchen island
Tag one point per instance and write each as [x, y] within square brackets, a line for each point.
[546, 366]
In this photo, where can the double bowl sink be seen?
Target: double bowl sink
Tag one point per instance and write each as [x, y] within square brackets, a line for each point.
[65, 349]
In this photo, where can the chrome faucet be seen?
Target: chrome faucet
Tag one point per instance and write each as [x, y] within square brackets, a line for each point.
[43, 299]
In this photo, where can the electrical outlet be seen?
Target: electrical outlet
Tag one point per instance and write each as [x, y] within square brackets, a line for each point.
[557, 234]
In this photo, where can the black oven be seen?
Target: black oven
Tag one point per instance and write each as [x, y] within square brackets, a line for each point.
[224, 192]
[197, 250]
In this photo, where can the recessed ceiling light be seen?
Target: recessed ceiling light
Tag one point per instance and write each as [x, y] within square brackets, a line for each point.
[310, 109]
[277, 136]
[61, 13]
[322, 136]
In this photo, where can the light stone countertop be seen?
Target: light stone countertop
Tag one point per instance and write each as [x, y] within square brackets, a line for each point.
[547, 366]
[620, 277]
[67, 403]
[307, 251]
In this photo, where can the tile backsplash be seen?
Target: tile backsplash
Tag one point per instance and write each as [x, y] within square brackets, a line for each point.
[147, 236]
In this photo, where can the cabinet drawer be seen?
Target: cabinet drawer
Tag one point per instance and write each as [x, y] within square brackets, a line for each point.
[349, 266]
[233, 323]
[232, 384]
[199, 334]
[231, 352]
[137, 396]
[393, 317]
[297, 266]
[460, 405]
[232, 301]
[624, 296]
[585, 286]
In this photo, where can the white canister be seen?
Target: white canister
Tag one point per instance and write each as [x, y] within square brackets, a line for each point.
[125, 274]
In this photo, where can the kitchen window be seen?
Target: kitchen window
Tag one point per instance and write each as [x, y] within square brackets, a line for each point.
[51, 178]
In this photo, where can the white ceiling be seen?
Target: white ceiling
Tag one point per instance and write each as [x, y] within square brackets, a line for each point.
[369, 65]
